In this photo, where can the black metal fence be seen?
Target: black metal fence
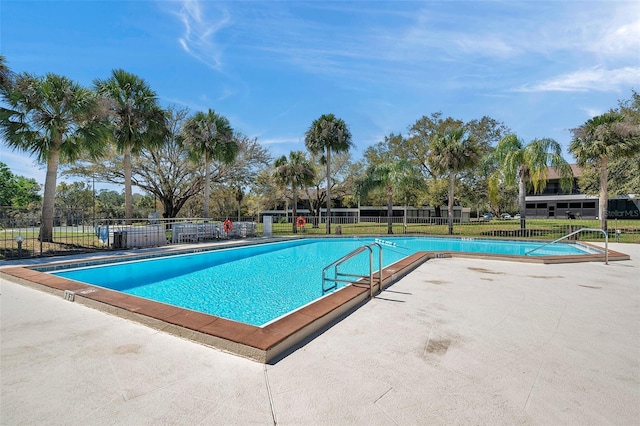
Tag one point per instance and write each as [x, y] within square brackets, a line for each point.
[19, 237]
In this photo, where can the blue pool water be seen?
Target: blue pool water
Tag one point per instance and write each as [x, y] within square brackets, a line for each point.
[259, 283]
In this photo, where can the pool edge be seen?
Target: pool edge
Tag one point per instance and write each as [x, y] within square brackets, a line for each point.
[267, 344]
[263, 344]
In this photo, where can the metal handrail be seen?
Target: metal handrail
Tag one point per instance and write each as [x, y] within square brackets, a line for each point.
[346, 257]
[606, 241]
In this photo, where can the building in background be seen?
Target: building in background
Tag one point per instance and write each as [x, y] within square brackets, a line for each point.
[553, 202]
[376, 214]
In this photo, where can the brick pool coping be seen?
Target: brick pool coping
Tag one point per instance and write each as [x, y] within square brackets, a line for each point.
[265, 344]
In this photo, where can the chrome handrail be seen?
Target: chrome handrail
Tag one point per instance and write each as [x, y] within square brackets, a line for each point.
[606, 242]
[346, 257]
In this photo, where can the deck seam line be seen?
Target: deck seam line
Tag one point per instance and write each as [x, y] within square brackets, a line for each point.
[271, 405]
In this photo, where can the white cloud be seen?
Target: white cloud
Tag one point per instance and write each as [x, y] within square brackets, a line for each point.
[620, 40]
[598, 79]
[188, 104]
[277, 141]
[199, 32]
[279, 146]
[226, 93]
[606, 30]
[489, 45]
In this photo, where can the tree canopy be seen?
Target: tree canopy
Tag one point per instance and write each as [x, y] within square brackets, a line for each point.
[391, 177]
[328, 134]
[116, 132]
[528, 165]
[56, 120]
[452, 152]
[137, 120]
[295, 171]
[208, 136]
[17, 192]
[610, 135]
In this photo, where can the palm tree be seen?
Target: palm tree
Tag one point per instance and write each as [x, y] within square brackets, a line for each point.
[528, 165]
[5, 75]
[297, 171]
[601, 138]
[210, 136]
[138, 121]
[451, 153]
[57, 120]
[325, 135]
[390, 176]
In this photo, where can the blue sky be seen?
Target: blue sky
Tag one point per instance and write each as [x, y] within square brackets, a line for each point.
[273, 67]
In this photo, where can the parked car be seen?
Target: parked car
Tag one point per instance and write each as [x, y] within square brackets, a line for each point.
[517, 216]
[505, 216]
[487, 216]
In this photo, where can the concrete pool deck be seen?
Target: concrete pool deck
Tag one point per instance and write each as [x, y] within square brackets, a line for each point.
[456, 341]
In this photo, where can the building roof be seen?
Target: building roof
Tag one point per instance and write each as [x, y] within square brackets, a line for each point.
[553, 172]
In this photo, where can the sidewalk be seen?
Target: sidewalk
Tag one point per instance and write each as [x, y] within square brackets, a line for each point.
[456, 341]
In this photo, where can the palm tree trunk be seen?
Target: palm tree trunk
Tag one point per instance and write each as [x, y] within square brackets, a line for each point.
[522, 195]
[452, 178]
[604, 201]
[48, 201]
[389, 210]
[128, 193]
[328, 191]
[207, 187]
[295, 209]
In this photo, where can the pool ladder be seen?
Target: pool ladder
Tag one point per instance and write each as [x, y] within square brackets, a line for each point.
[332, 283]
[606, 241]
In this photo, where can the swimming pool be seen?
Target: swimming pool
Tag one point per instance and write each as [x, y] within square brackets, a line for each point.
[278, 337]
[260, 283]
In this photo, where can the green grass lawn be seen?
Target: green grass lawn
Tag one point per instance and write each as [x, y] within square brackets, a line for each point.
[536, 229]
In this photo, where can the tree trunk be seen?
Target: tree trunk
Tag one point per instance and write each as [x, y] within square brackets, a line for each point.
[128, 193]
[522, 194]
[452, 178]
[239, 197]
[295, 209]
[48, 201]
[169, 210]
[389, 210]
[604, 200]
[328, 191]
[207, 187]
